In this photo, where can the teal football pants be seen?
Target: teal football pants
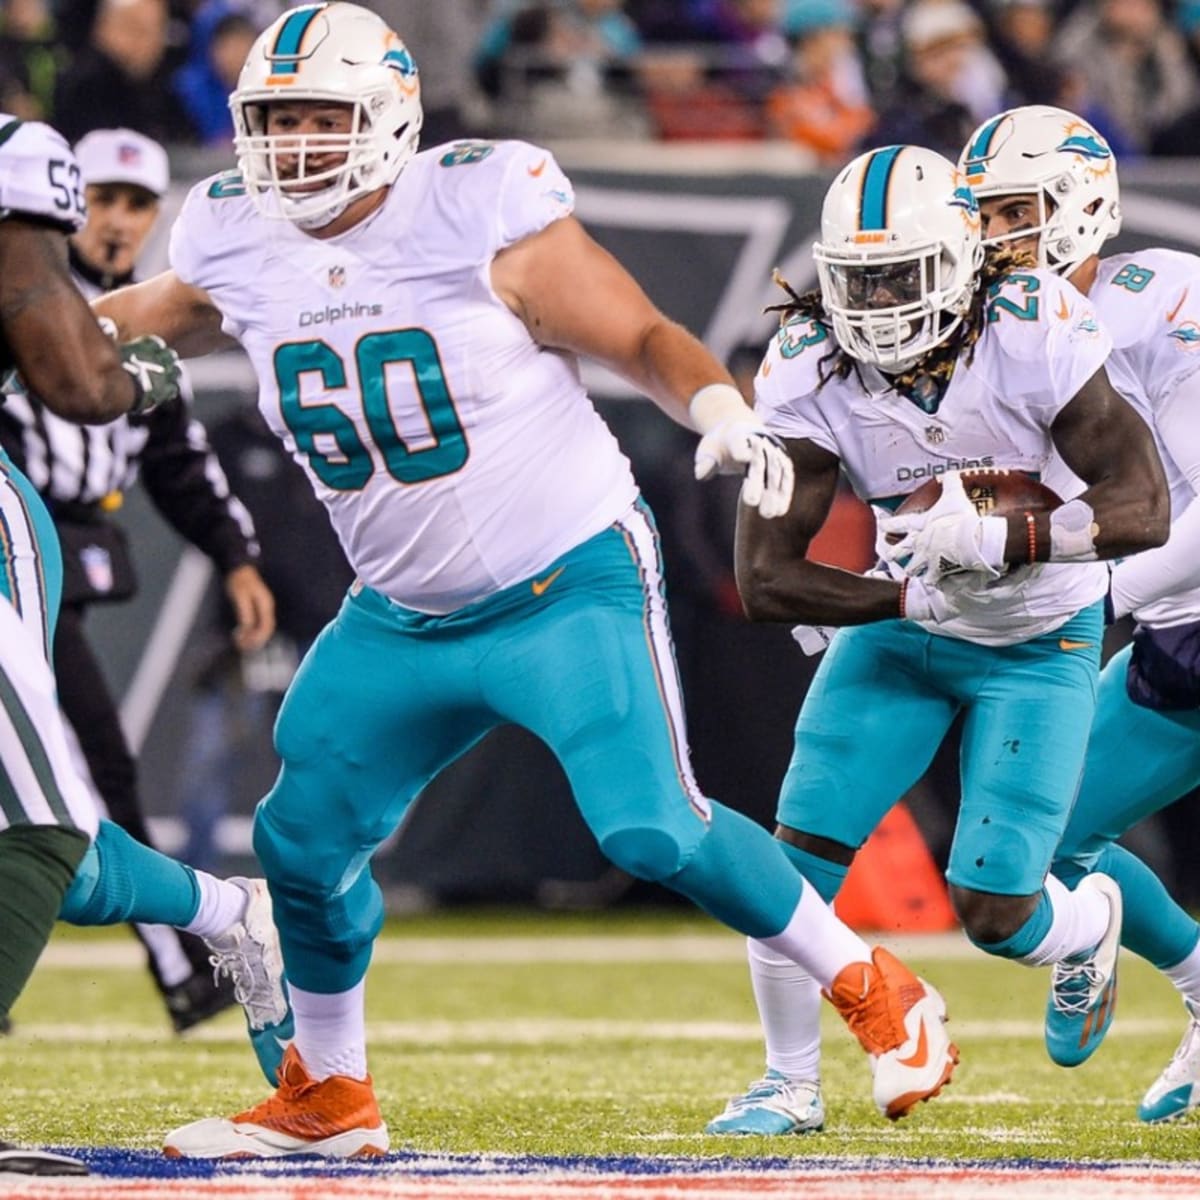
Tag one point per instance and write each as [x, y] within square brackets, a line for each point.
[885, 696]
[1138, 762]
[580, 655]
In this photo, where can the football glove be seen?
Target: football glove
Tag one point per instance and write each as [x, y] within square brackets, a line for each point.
[926, 602]
[746, 445]
[948, 538]
[154, 368]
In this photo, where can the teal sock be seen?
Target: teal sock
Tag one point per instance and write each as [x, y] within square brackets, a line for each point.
[739, 876]
[1153, 925]
[36, 865]
[1028, 937]
[120, 879]
[827, 877]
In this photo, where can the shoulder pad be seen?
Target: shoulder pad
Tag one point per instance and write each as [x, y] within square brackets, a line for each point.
[39, 176]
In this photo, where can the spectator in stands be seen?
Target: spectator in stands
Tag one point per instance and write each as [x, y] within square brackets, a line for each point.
[825, 107]
[561, 69]
[1135, 64]
[442, 38]
[221, 39]
[118, 81]
[944, 56]
[686, 100]
[31, 59]
[881, 49]
[1020, 33]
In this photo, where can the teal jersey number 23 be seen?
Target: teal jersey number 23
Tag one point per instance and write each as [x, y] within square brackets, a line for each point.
[345, 463]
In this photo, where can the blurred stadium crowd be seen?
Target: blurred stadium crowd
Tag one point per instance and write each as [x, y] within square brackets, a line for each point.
[828, 76]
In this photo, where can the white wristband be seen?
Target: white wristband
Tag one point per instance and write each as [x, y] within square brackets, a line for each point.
[993, 540]
[716, 403]
[1073, 532]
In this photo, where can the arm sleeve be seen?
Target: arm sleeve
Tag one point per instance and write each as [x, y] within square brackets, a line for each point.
[1175, 566]
[188, 487]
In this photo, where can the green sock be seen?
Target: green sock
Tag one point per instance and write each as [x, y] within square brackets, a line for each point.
[36, 866]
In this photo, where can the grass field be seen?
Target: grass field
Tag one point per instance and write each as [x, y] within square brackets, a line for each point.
[609, 1035]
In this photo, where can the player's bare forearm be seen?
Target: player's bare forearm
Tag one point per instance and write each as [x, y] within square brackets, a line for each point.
[573, 295]
[60, 351]
[182, 315]
[776, 580]
[810, 593]
[1104, 441]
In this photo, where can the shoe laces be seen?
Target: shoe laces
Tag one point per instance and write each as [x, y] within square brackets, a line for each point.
[1073, 985]
[243, 964]
[1185, 1062]
[795, 1096]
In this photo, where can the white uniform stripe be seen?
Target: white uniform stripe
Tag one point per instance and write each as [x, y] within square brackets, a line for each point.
[24, 563]
[643, 545]
[29, 674]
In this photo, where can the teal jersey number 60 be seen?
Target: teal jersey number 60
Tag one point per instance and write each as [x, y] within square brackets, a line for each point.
[349, 467]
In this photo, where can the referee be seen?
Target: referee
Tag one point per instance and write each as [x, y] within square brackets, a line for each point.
[82, 473]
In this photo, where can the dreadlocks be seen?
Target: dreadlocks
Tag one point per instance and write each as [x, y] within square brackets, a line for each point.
[938, 363]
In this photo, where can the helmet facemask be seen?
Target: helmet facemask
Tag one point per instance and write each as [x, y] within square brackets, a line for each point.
[325, 55]
[360, 165]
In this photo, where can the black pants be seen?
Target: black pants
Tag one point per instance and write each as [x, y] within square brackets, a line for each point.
[88, 704]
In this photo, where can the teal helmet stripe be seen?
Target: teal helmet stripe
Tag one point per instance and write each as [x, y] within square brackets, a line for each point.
[291, 38]
[981, 147]
[873, 205]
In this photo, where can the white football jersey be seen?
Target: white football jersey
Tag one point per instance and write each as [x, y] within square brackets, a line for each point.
[455, 455]
[39, 176]
[1041, 343]
[1150, 304]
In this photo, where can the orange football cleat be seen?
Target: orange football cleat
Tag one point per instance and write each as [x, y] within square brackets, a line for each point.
[336, 1117]
[900, 1021]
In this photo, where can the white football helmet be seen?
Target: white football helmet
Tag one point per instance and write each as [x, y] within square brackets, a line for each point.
[899, 254]
[1059, 158]
[336, 53]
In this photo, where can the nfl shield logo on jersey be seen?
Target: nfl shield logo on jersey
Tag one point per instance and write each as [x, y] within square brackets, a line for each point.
[935, 435]
[97, 566]
[337, 277]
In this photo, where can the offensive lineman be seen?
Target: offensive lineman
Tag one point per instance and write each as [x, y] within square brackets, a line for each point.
[414, 321]
[911, 362]
[1048, 180]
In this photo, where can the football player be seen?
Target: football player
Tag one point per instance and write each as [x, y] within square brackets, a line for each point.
[1048, 181]
[55, 857]
[414, 321]
[912, 362]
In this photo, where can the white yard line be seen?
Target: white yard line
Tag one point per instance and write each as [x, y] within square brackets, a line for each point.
[529, 1031]
[718, 947]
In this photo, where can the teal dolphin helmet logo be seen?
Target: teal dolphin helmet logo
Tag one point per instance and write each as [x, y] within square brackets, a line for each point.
[963, 197]
[1085, 145]
[1186, 333]
[401, 60]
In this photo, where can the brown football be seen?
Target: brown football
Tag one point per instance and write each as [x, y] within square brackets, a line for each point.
[994, 492]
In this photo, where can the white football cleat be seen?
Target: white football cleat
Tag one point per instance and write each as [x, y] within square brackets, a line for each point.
[336, 1117]
[900, 1021]
[1177, 1090]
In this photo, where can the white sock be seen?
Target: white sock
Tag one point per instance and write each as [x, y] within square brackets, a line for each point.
[817, 940]
[221, 904]
[1185, 976]
[331, 1031]
[789, 1007]
[1078, 921]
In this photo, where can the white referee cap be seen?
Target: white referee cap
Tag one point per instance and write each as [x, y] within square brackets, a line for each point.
[123, 156]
